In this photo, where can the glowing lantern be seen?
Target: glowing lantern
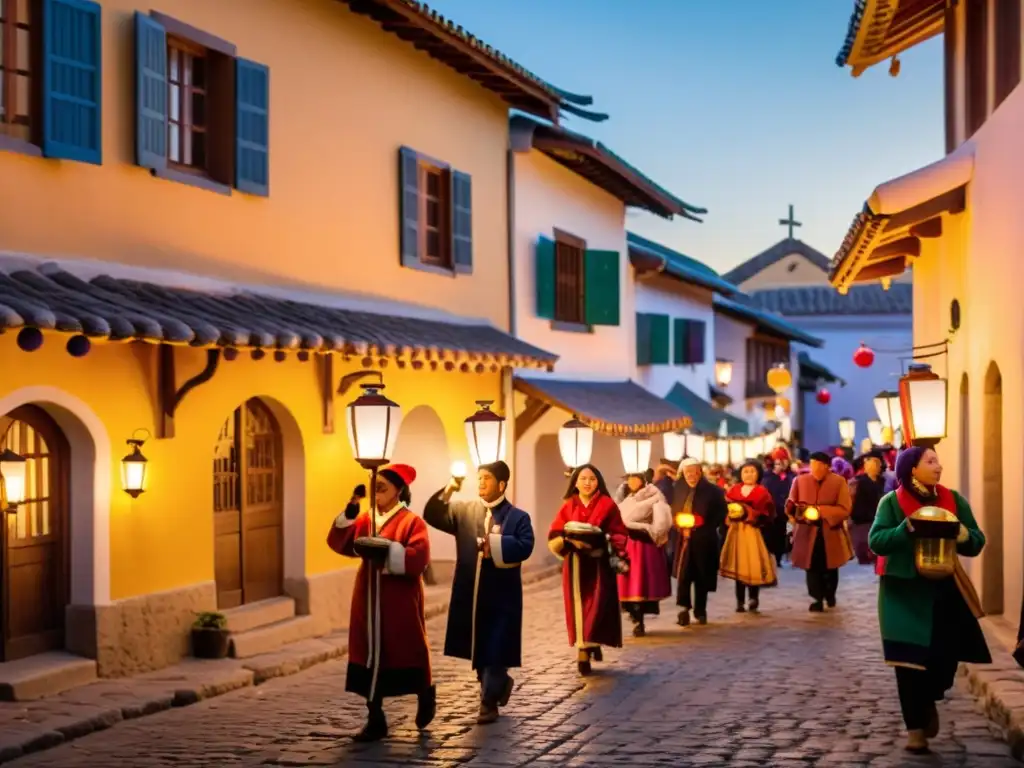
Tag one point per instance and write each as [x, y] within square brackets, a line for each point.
[779, 378]
[811, 514]
[923, 404]
[695, 446]
[12, 472]
[735, 510]
[737, 450]
[675, 446]
[723, 372]
[636, 454]
[485, 433]
[823, 396]
[458, 470]
[887, 406]
[685, 520]
[575, 443]
[709, 450]
[875, 432]
[847, 430]
[864, 356]
[722, 451]
[133, 469]
[373, 422]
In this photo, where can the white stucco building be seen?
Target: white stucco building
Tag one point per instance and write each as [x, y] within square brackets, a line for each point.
[957, 224]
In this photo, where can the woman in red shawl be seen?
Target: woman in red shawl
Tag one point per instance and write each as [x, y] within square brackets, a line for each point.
[387, 637]
[745, 557]
[591, 562]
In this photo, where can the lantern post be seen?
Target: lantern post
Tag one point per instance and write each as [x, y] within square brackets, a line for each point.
[12, 480]
[575, 443]
[373, 423]
[923, 399]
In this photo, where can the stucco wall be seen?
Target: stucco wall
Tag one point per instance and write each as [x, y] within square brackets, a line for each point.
[549, 196]
[344, 97]
[659, 295]
[795, 269]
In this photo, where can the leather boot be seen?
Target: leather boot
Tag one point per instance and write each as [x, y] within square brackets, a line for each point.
[917, 743]
[376, 727]
[683, 619]
[506, 692]
[488, 713]
[426, 707]
[932, 730]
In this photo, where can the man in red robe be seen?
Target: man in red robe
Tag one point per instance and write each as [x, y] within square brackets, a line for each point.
[387, 644]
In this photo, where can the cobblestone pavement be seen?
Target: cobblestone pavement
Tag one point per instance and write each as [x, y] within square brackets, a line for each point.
[783, 688]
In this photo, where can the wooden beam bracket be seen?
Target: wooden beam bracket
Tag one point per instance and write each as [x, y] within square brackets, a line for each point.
[534, 411]
[169, 395]
[325, 383]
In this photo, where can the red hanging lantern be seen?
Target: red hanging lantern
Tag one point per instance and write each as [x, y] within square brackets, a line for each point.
[823, 396]
[864, 356]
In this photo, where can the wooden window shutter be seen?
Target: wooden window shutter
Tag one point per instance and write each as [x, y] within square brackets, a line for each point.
[601, 287]
[949, 75]
[72, 81]
[544, 278]
[409, 206]
[680, 334]
[1007, 34]
[461, 189]
[696, 335]
[252, 127]
[150, 93]
[659, 339]
[643, 338]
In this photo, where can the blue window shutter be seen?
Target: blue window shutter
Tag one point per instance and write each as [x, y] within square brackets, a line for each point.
[409, 206]
[462, 221]
[680, 340]
[602, 288]
[697, 334]
[150, 93]
[252, 127]
[544, 278]
[643, 339]
[72, 78]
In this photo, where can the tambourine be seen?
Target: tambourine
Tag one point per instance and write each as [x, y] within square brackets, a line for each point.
[372, 548]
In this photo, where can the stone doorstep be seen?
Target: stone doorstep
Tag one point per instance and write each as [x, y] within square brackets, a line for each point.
[246, 617]
[32, 726]
[269, 638]
[999, 686]
[44, 675]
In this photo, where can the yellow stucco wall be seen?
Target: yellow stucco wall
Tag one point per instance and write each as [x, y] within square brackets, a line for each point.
[164, 539]
[794, 269]
[344, 97]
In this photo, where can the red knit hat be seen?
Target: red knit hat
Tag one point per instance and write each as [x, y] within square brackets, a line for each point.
[402, 472]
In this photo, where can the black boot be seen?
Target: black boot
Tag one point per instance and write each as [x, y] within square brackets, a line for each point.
[816, 607]
[426, 708]
[376, 727]
[639, 630]
[684, 618]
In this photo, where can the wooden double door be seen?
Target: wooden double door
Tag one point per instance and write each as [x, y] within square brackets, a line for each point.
[248, 507]
[34, 572]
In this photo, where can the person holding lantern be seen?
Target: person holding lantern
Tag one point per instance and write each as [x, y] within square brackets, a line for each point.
[819, 505]
[645, 511]
[387, 642]
[698, 510]
[589, 536]
[485, 616]
[745, 558]
[928, 616]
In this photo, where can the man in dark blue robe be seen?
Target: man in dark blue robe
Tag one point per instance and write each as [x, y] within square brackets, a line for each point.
[485, 616]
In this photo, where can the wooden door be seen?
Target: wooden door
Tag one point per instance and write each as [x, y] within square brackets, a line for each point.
[34, 572]
[248, 507]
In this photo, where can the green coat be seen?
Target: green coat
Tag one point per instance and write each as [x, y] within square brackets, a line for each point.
[905, 599]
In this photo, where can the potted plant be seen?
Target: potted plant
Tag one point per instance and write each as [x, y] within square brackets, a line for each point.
[210, 635]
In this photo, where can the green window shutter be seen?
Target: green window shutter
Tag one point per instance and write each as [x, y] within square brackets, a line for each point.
[72, 79]
[461, 188]
[544, 278]
[680, 338]
[252, 127]
[659, 339]
[409, 206]
[601, 287]
[150, 93]
[643, 339]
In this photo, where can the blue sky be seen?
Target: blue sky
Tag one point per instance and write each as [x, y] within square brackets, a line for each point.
[733, 105]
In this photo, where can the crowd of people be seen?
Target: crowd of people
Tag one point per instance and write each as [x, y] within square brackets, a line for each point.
[621, 547]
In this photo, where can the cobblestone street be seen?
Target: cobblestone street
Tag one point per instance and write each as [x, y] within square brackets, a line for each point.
[783, 688]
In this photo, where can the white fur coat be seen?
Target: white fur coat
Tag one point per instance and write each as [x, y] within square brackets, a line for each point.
[646, 510]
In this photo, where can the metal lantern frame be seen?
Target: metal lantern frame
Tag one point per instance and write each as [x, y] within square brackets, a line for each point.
[924, 405]
[485, 435]
[13, 469]
[887, 406]
[135, 466]
[723, 372]
[875, 431]
[575, 443]
[377, 449]
[636, 453]
[847, 430]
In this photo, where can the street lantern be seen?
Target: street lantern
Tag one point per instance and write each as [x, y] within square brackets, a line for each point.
[133, 466]
[723, 372]
[737, 449]
[575, 443]
[722, 451]
[709, 450]
[875, 432]
[694, 445]
[887, 406]
[485, 433]
[636, 454]
[12, 473]
[675, 446]
[923, 401]
[373, 422]
[847, 430]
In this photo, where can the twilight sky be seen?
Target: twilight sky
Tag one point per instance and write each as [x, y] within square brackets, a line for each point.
[733, 105]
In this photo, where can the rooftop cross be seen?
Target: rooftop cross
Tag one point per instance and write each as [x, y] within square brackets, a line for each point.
[790, 222]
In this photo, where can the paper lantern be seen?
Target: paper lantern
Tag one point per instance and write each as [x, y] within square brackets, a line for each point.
[823, 396]
[636, 454]
[694, 445]
[875, 433]
[737, 450]
[847, 430]
[779, 379]
[887, 406]
[863, 356]
[575, 443]
[675, 446]
[722, 451]
[710, 448]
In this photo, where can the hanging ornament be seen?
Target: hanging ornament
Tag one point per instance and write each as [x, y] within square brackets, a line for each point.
[864, 356]
[823, 396]
[779, 378]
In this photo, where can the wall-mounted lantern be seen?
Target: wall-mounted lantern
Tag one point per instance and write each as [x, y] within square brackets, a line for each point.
[723, 372]
[133, 466]
[12, 480]
[923, 404]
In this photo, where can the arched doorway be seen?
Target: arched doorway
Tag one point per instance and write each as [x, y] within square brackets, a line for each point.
[34, 579]
[965, 439]
[992, 493]
[248, 503]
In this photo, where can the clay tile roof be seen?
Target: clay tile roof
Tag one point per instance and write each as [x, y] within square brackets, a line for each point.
[825, 300]
[104, 307]
[706, 418]
[647, 255]
[610, 407]
[790, 245]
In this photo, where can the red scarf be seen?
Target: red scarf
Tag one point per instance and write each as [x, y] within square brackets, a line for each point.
[909, 504]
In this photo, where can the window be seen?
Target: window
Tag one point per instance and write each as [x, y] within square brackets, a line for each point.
[652, 332]
[570, 286]
[689, 341]
[18, 103]
[436, 215]
[577, 287]
[762, 354]
[202, 113]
